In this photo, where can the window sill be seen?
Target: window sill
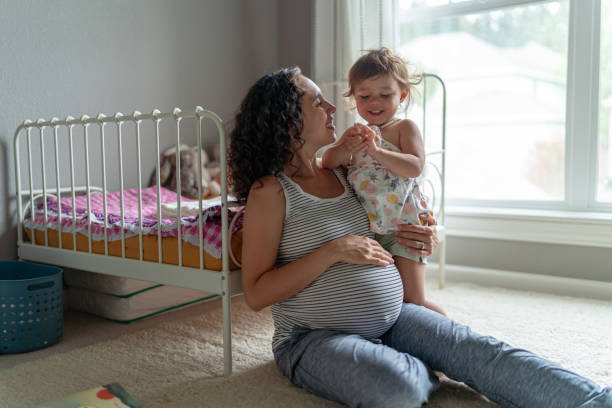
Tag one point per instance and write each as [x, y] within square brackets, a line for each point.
[543, 226]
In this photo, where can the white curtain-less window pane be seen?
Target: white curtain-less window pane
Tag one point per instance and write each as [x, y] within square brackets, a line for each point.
[505, 72]
[604, 179]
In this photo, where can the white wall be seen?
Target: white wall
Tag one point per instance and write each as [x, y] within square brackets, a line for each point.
[84, 57]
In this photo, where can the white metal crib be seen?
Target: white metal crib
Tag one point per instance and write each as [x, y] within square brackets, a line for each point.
[224, 282]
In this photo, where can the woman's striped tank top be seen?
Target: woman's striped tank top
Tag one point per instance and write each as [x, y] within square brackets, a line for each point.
[358, 299]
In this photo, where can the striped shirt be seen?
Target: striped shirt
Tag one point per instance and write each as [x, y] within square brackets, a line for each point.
[358, 299]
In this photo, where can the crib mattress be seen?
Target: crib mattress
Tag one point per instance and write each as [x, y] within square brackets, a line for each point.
[126, 309]
[94, 218]
[150, 247]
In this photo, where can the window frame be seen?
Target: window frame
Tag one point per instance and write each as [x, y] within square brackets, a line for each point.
[582, 104]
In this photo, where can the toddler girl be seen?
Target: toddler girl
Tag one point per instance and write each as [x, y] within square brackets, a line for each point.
[384, 161]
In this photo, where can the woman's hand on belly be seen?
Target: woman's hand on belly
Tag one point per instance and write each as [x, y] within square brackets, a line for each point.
[355, 249]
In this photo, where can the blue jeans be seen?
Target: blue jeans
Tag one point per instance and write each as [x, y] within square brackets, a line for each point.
[396, 370]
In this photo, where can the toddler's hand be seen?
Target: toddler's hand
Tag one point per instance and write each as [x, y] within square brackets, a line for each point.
[370, 138]
[352, 141]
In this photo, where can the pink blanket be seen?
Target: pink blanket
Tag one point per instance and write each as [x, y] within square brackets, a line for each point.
[211, 217]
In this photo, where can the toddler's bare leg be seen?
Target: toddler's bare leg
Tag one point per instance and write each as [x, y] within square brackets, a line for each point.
[413, 280]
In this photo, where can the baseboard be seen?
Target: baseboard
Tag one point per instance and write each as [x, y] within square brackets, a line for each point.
[525, 281]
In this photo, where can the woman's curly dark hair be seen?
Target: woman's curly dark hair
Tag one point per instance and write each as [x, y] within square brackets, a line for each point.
[269, 121]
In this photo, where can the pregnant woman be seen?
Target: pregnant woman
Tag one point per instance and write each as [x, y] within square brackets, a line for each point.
[341, 328]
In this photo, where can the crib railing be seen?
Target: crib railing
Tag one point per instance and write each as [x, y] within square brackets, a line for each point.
[120, 266]
[119, 120]
[441, 153]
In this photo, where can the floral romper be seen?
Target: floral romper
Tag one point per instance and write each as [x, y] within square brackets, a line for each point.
[388, 199]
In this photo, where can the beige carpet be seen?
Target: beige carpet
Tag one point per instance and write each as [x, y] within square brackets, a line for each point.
[179, 363]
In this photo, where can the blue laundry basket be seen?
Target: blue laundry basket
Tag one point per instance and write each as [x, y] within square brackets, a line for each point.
[31, 307]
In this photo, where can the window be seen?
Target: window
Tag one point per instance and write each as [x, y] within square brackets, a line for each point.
[604, 179]
[525, 126]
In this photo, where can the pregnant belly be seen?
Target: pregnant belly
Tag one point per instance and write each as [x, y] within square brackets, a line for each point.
[360, 299]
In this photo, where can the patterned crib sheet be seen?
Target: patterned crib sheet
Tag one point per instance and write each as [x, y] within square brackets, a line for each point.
[211, 217]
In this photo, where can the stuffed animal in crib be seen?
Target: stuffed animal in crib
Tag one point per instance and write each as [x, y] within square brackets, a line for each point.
[188, 172]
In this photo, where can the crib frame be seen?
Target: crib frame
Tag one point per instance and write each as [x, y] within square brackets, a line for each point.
[224, 283]
[441, 173]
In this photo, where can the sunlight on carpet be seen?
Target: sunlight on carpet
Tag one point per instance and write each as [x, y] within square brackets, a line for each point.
[180, 363]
